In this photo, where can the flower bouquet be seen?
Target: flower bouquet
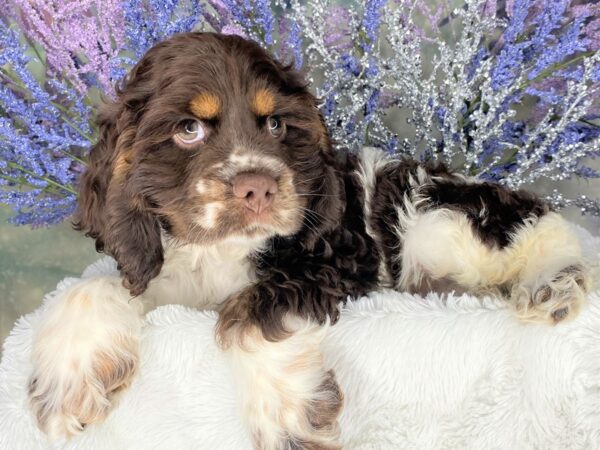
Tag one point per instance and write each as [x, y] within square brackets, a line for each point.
[507, 91]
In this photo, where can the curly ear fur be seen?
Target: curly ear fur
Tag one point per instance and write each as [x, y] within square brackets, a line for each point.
[108, 210]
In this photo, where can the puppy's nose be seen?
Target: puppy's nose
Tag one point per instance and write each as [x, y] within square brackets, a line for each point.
[256, 190]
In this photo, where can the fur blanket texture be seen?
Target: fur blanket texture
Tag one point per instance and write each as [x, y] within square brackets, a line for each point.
[451, 372]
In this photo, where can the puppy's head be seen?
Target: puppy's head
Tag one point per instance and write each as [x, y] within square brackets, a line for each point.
[209, 140]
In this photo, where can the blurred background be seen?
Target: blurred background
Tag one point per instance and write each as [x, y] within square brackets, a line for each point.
[33, 261]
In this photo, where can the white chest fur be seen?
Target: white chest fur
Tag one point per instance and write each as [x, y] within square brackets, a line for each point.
[202, 276]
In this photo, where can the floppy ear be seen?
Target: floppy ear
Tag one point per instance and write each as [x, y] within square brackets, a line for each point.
[110, 211]
[93, 183]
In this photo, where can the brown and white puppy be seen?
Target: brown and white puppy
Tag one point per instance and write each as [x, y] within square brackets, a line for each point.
[214, 184]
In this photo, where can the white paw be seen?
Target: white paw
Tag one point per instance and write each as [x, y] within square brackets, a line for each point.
[555, 299]
[289, 401]
[85, 350]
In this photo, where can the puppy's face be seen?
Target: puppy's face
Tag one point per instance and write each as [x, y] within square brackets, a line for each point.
[210, 140]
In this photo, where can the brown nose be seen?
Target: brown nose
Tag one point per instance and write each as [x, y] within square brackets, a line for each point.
[256, 190]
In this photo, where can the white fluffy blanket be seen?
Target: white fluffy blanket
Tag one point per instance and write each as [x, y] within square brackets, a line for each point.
[417, 373]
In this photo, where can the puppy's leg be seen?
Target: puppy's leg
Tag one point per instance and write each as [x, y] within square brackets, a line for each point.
[485, 238]
[288, 400]
[85, 350]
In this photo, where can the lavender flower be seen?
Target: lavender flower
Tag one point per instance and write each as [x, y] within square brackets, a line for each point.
[568, 44]
[291, 47]
[592, 29]
[338, 34]
[506, 91]
[234, 30]
[372, 20]
[79, 38]
[150, 21]
[41, 140]
[255, 17]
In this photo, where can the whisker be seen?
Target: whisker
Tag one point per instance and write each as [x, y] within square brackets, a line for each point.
[315, 195]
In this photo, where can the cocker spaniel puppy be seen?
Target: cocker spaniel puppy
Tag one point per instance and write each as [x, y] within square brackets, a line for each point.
[214, 184]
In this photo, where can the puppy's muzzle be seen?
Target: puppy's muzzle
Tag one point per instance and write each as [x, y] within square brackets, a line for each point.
[257, 191]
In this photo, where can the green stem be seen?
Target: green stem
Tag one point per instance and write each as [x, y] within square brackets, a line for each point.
[14, 81]
[14, 165]
[556, 67]
[587, 122]
[541, 76]
[23, 182]
[58, 106]
[77, 129]
[31, 44]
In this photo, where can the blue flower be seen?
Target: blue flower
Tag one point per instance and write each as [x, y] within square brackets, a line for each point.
[371, 21]
[39, 143]
[290, 31]
[351, 64]
[151, 21]
[372, 103]
[480, 56]
[568, 44]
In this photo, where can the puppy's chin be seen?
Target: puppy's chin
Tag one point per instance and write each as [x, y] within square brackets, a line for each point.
[267, 225]
[278, 222]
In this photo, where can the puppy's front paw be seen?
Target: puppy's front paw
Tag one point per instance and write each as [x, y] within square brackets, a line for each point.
[78, 390]
[302, 420]
[555, 299]
[289, 401]
[323, 412]
[85, 351]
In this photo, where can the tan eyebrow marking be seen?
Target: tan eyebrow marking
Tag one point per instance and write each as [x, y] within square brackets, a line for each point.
[206, 105]
[122, 165]
[263, 103]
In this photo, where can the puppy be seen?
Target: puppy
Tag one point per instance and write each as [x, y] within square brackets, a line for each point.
[214, 184]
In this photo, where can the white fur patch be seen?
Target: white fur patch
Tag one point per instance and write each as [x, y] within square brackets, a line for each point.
[210, 215]
[372, 161]
[201, 187]
[244, 161]
[90, 332]
[88, 337]
[202, 276]
[277, 382]
[441, 244]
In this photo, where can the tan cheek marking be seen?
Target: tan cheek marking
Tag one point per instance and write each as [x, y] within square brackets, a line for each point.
[263, 103]
[206, 105]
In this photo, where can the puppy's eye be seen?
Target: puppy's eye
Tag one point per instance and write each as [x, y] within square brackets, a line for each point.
[276, 126]
[193, 132]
